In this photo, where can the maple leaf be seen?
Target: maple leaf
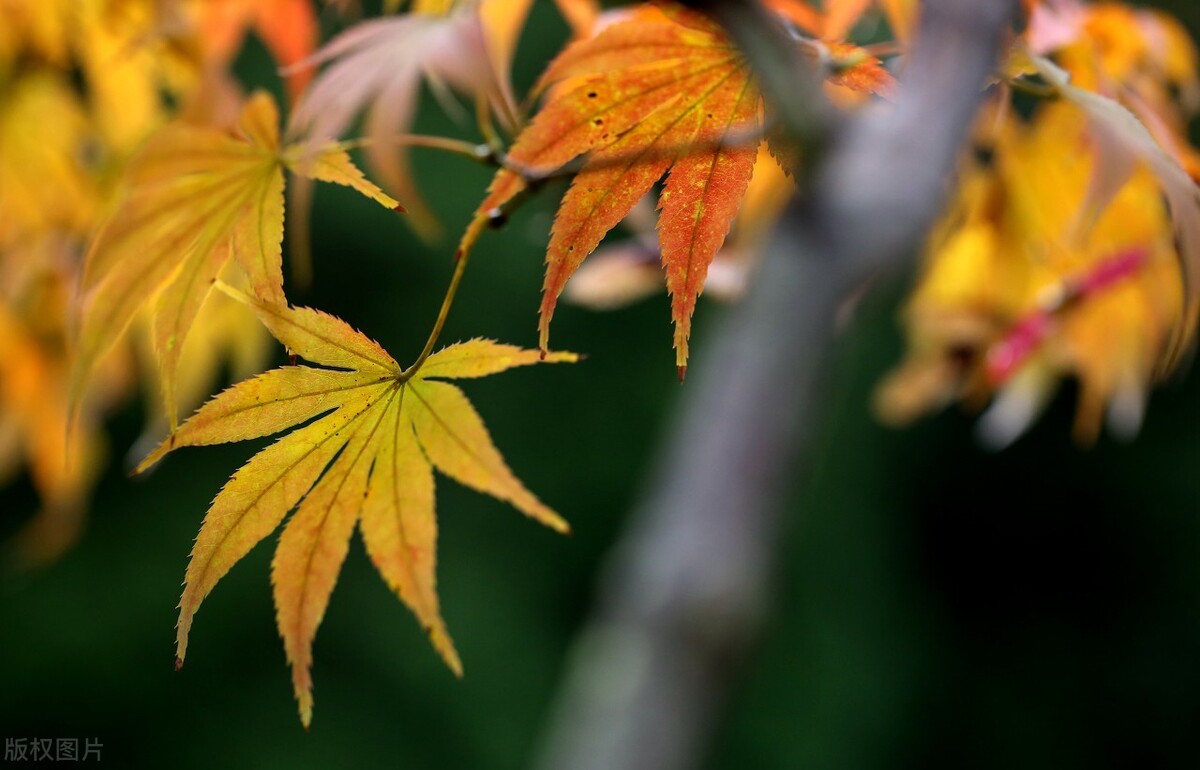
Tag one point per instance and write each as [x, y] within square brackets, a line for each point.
[197, 198]
[365, 460]
[650, 96]
[852, 67]
[620, 274]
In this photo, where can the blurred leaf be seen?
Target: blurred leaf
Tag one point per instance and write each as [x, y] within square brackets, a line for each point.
[197, 198]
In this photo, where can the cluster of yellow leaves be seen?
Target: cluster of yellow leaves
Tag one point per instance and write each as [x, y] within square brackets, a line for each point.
[97, 100]
[93, 141]
[1073, 246]
[172, 205]
[59, 153]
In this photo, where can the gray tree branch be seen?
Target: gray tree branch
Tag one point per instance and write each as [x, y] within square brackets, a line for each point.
[683, 593]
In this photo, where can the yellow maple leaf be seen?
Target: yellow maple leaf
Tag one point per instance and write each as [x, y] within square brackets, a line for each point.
[44, 185]
[197, 198]
[367, 459]
[129, 66]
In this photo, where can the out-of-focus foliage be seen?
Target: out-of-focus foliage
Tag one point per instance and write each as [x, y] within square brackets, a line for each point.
[82, 85]
[1072, 248]
[197, 202]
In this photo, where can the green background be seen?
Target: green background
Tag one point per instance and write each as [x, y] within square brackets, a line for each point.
[936, 605]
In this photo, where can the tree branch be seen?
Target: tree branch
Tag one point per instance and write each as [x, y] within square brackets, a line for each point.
[684, 591]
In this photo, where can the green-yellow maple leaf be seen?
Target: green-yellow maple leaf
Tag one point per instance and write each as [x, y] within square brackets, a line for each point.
[366, 460]
[197, 197]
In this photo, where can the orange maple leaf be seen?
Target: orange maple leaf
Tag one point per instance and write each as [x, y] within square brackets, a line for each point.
[365, 460]
[853, 67]
[34, 431]
[288, 29]
[650, 96]
[842, 15]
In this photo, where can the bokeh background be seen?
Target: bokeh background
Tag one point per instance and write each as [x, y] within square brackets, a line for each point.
[936, 605]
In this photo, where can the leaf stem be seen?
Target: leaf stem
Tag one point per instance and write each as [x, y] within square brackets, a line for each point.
[478, 152]
[461, 257]
[492, 153]
[487, 129]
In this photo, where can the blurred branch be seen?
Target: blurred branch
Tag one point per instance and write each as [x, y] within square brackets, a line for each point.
[682, 595]
[788, 73]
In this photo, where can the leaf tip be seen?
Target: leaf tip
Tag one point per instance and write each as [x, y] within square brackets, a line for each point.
[399, 209]
[682, 372]
[446, 649]
[559, 357]
[306, 709]
[159, 452]
[178, 663]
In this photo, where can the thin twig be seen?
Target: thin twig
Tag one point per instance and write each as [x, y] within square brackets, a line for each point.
[482, 153]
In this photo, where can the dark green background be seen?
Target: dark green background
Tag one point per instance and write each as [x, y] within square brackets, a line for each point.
[937, 606]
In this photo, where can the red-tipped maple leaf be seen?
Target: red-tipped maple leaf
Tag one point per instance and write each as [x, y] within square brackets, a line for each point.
[648, 96]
